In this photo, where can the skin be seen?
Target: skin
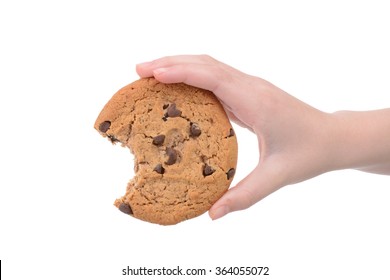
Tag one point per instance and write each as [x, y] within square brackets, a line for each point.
[296, 141]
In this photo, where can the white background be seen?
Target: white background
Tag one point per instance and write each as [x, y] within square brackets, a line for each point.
[60, 62]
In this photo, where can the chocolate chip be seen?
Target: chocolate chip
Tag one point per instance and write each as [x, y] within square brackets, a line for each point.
[165, 106]
[125, 208]
[113, 139]
[195, 130]
[104, 126]
[231, 132]
[172, 155]
[159, 169]
[158, 140]
[172, 111]
[230, 173]
[208, 170]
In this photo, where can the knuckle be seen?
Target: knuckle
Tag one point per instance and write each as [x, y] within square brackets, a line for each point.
[207, 58]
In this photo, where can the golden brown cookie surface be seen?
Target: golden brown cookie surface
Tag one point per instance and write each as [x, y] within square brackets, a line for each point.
[184, 147]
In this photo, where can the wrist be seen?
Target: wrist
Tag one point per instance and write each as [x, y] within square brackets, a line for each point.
[360, 140]
[339, 139]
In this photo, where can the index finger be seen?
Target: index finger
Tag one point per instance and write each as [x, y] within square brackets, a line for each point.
[204, 72]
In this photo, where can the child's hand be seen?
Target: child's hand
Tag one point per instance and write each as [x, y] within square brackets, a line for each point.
[296, 141]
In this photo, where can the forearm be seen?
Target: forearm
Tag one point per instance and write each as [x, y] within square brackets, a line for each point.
[362, 140]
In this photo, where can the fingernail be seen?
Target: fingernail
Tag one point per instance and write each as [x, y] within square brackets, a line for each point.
[219, 212]
[159, 71]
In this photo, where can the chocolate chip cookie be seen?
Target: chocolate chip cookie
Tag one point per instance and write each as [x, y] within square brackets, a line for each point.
[185, 149]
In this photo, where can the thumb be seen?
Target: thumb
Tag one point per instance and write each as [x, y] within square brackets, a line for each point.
[262, 181]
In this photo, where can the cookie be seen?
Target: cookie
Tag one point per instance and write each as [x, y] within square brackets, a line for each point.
[185, 149]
